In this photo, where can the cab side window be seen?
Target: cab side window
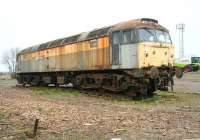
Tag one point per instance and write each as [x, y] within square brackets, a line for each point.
[116, 37]
[134, 36]
[127, 36]
[93, 43]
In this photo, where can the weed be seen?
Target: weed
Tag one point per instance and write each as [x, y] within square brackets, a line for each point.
[48, 91]
[39, 109]
[23, 138]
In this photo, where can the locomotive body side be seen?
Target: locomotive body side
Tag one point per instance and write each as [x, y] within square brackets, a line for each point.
[72, 57]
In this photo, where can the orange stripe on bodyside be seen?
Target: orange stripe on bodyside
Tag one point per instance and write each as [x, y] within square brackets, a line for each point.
[66, 49]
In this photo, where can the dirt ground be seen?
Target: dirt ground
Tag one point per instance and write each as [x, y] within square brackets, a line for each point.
[67, 114]
[189, 83]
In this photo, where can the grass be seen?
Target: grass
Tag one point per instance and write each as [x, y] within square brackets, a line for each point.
[2, 117]
[169, 99]
[192, 75]
[160, 98]
[49, 91]
[13, 126]
[70, 135]
[85, 137]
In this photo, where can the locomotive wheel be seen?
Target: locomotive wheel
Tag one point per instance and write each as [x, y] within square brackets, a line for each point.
[44, 84]
[77, 83]
[130, 91]
[150, 91]
[152, 87]
[35, 81]
[142, 92]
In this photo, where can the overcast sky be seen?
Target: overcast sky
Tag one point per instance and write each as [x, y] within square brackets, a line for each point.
[24, 23]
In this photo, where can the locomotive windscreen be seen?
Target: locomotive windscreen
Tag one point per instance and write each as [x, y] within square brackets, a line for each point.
[153, 35]
[145, 35]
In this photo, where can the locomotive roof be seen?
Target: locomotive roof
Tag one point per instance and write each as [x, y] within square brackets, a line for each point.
[137, 23]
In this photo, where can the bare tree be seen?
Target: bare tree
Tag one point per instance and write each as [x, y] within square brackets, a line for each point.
[9, 59]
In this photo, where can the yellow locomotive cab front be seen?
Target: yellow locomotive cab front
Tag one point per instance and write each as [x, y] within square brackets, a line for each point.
[155, 54]
[154, 48]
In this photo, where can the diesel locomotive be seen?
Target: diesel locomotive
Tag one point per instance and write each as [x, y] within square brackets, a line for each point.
[135, 55]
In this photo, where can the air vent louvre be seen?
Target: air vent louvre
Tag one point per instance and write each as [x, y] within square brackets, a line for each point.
[149, 20]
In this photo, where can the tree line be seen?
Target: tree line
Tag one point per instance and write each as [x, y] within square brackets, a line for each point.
[9, 59]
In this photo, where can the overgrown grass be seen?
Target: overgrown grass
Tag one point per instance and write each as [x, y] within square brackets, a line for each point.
[2, 117]
[13, 127]
[192, 75]
[85, 137]
[50, 91]
[160, 97]
[72, 136]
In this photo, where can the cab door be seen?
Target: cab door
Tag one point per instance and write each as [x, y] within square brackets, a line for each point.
[116, 48]
[128, 50]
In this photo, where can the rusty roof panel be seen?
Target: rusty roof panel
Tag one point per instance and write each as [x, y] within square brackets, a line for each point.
[70, 39]
[99, 32]
[43, 46]
[83, 36]
[55, 43]
[137, 23]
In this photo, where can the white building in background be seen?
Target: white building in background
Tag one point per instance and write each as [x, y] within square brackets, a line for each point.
[183, 60]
